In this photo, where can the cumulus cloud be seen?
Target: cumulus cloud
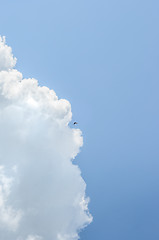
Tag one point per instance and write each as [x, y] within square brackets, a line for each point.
[7, 61]
[42, 193]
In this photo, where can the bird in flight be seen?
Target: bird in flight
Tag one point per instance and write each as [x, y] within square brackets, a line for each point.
[75, 123]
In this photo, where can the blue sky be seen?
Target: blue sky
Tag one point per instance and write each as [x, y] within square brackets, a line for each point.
[103, 57]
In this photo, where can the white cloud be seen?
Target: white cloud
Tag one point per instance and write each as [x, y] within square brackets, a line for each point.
[35, 237]
[42, 193]
[9, 217]
[7, 61]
